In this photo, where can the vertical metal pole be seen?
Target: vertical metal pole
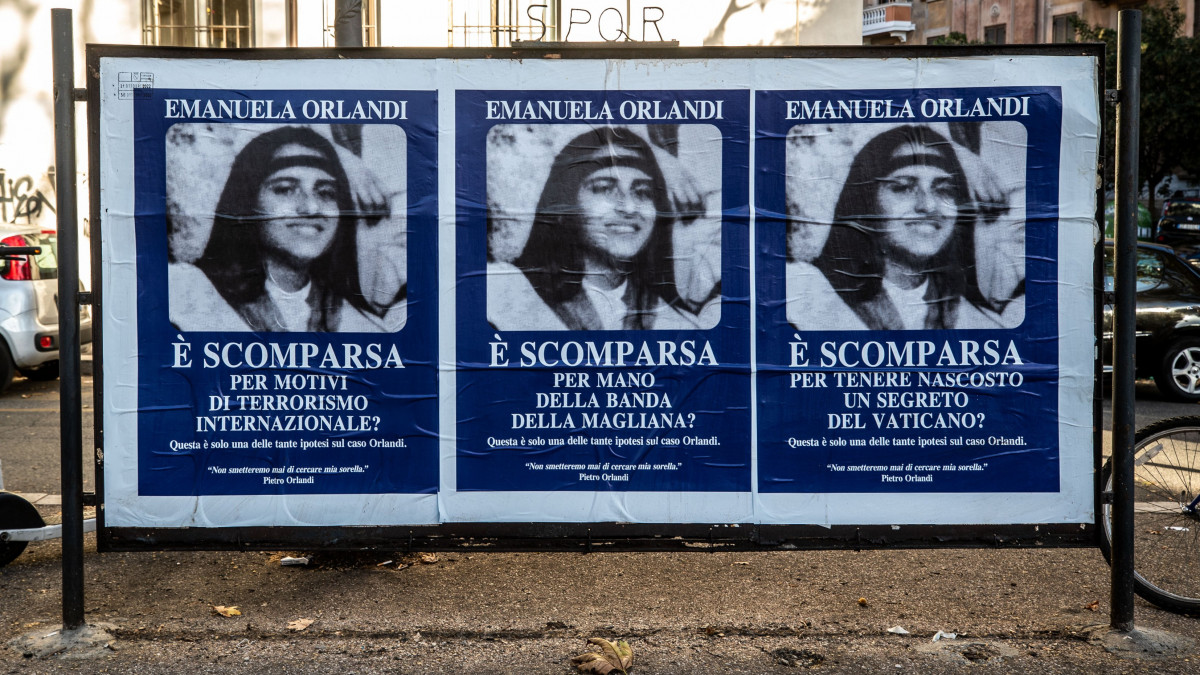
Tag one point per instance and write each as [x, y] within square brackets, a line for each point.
[289, 23]
[70, 387]
[1129, 72]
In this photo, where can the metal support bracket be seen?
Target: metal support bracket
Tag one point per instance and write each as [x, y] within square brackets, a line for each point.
[79, 94]
[85, 298]
[1112, 96]
[43, 533]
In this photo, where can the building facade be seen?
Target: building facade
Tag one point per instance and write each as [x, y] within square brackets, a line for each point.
[27, 174]
[996, 21]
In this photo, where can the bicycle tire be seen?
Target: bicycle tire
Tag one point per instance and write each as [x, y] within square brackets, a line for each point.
[16, 514]
[1166, 537]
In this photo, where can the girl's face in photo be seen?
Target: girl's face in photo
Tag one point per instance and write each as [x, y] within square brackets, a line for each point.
[918, 208]
[617, 211]
[301, 210]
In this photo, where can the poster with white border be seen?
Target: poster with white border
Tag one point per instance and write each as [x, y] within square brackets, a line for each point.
[375, 339]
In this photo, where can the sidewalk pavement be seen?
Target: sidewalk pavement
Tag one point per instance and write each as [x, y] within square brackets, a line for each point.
[473, 611]
[40, 499]
[927, 611]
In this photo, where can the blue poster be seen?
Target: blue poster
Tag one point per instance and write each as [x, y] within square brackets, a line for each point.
[286, 343]
[907, 278]
[602, 291]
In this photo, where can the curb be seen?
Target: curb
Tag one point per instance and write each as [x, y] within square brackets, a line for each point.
[40, 498]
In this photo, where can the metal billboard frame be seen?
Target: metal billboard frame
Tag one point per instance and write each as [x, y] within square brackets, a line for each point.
[583, 537]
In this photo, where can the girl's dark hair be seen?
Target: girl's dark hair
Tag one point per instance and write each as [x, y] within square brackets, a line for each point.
[234, 259]
[553, 255]
[853, 257]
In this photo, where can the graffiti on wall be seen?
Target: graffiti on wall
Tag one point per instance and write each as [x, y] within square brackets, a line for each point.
[24, 200]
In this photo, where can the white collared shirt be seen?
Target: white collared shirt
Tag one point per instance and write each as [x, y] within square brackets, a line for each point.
[609, 304]
[294, 310]
[909, 303]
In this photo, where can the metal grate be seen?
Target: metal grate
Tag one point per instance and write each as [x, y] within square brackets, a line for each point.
[198, 23]
[497, 23]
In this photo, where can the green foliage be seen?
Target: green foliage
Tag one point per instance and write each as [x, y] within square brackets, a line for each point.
[954, 38]
[1170, 105]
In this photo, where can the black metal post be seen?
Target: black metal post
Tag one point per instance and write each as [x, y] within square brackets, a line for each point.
[347, 25]
[70, 396]
[1129, 73]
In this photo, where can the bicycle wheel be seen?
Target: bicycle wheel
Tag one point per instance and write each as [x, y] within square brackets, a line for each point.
[15, 514]
[1166, 524]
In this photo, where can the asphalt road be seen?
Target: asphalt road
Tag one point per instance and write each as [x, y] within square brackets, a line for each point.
[29, 427]
[1151, 406]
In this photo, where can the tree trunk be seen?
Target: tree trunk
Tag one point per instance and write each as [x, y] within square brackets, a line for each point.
[347, 25]
[1152, 184]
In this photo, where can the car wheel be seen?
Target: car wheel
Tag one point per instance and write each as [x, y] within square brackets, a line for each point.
[1178, 376]
[43, 373]
[6, 366]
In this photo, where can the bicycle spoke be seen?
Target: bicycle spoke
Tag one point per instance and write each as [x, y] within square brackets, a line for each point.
[1166, 482]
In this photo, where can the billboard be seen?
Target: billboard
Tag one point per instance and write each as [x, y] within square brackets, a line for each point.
[722, 287]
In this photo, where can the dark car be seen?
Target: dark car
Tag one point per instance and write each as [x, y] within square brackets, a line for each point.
[1180, 224]
[1168, 320]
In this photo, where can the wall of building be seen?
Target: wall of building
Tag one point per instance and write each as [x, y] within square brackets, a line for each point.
[1105, 14]
[1025, 21]
[27, 174]
[691, 22]
[27, 193]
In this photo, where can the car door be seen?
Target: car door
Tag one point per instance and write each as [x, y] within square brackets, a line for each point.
[1168, 302]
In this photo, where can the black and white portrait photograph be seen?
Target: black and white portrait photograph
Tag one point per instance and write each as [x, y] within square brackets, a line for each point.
[906, 226]
[287, 228]
[604, 227]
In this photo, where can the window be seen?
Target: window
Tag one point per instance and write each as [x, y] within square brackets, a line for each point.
[370, 23]
[1156, 271]
[1182, 209]
[497, 23]
[1063, 29]
[995, 35]
[198, 23]
[15, 267]
[24, 268]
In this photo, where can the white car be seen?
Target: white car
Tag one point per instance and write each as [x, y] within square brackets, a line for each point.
[29, 306]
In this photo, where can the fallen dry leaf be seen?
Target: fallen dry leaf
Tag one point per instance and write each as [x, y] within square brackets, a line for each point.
[429, 558]
[1093, 605]
[226, 611]
[592, 662]
[613, 657]
[299, 624]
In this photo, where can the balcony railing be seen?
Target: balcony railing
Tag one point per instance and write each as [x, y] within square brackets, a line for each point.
[892, 17]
